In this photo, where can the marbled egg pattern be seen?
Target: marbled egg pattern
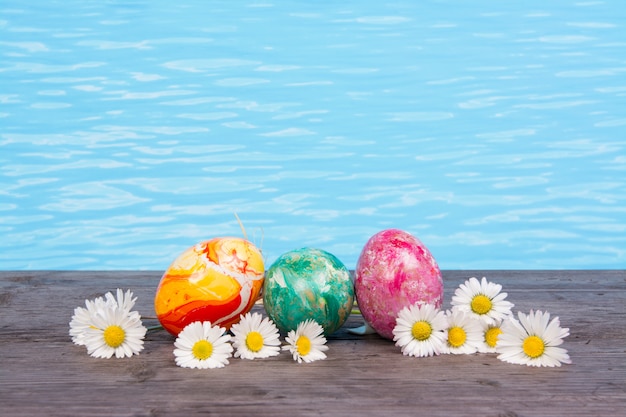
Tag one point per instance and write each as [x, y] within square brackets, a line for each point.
[216, 280]
[308, 283]
[395, 270]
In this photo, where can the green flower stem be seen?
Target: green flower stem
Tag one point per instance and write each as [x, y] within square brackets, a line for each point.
[157, 327]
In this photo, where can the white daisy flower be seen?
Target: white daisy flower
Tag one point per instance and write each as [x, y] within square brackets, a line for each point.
[114, 331]
[491, 333]
[307, 343]
[464, 333]
[83, 317]
[201, 345]
[533, 340]
[420, 330]
[255, 337]
[482, 299]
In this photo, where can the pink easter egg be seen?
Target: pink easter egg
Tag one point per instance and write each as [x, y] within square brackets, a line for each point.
[395, 270]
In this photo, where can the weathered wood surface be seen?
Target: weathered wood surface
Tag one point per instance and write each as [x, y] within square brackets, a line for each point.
[43, 373]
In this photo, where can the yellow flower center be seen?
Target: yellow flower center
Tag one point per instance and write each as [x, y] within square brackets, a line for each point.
[533, 346]
[421, 330]
[114, 336]
[254, 341]
[202, 349]
[481, 304]
[303, 345]
[491, 336]
[456, 336]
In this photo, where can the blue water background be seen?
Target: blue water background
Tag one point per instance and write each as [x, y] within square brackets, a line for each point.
[495, 132]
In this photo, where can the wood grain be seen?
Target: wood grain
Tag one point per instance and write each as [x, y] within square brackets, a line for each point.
[43, 373]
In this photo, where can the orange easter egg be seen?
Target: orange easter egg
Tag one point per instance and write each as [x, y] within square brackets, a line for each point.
[216, 280]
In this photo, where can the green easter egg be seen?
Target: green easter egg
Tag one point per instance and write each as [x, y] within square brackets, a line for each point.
[308, 284]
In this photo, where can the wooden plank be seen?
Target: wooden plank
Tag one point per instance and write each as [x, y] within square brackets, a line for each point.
[43, 373]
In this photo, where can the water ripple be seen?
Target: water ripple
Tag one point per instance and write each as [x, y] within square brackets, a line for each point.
[493, 133]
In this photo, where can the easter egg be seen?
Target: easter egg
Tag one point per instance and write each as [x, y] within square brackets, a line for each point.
[215, 280]
[395, 270]
[308, 284]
